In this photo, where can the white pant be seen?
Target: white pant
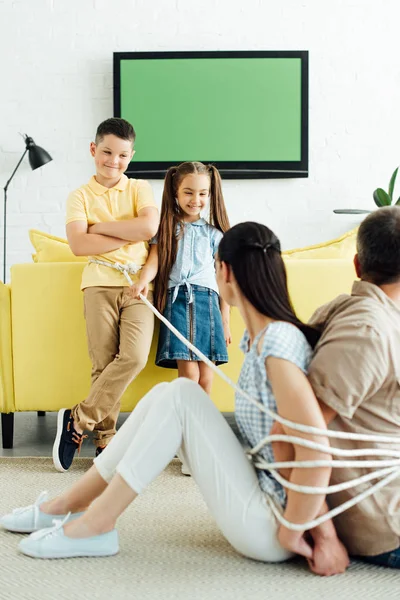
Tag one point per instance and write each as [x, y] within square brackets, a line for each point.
[179, 418]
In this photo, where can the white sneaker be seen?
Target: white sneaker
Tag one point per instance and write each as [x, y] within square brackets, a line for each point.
[30, 518]
[53, 543]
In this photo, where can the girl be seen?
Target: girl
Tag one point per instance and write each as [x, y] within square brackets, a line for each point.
[180, 417]
[183, 257]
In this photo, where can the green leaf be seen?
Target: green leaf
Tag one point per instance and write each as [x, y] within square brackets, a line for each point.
[381, 198]
[398, 201]
[391, 184]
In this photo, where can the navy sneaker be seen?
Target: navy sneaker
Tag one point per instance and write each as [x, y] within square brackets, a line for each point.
[67, 441]
[99, 450]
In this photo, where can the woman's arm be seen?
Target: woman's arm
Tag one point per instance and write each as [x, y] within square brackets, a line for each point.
[296, 402]
[329, 554]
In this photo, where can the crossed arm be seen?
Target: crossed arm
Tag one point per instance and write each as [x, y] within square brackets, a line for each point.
[101, 238]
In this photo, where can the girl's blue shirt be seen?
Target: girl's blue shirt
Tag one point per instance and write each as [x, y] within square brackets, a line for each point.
[195, 259]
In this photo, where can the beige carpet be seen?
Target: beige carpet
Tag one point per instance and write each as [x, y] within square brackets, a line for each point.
[170, 549]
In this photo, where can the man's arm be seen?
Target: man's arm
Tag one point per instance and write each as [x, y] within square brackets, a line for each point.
[141, 228]
[83, 243]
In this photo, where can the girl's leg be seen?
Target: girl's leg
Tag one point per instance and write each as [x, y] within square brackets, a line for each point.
[93, 483]
[206, 377]
[184, 419]
[188, 369]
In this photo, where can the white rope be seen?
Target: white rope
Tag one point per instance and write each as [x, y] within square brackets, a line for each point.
[388, 469]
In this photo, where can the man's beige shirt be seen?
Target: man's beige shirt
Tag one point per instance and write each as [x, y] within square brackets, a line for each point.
[356, 371]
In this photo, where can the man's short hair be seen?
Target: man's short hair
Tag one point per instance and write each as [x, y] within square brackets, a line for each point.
[378, 246]
[115, 126]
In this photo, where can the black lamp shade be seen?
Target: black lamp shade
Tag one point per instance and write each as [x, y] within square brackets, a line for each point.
[37, 155]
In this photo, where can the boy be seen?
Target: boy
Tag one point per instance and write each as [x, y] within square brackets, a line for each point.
[109, 220]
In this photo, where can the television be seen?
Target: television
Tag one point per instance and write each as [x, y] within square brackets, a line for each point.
[245, 112]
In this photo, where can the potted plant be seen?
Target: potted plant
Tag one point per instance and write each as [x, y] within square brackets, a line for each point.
[381, 198]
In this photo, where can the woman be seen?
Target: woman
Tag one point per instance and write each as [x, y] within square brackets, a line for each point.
[179, 417]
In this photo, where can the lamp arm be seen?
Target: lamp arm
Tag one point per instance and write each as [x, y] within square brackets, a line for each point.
[5, 233]
[15, 170]
[5, 215]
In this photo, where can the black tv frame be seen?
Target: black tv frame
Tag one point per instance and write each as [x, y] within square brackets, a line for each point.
[228, 169]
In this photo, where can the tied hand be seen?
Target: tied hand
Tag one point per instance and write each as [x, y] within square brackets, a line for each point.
[325, 556]
[139, 288]
[329, 557]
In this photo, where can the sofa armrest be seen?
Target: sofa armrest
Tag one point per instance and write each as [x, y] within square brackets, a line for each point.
[6, 360]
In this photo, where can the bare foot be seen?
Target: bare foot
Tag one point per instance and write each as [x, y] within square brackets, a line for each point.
[329, 557]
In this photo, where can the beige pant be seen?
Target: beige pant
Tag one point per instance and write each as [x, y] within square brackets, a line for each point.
[119, 332]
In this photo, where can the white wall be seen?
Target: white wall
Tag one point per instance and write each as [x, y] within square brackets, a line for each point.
[56, 85]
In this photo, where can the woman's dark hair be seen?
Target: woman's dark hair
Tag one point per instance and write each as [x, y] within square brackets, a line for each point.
[254, 253]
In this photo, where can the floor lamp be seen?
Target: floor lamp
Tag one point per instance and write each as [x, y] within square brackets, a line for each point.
[37, 158]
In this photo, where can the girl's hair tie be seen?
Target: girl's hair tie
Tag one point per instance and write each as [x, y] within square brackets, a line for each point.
[264, 247]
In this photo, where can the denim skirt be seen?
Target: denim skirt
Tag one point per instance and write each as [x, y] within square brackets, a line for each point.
[200, 322]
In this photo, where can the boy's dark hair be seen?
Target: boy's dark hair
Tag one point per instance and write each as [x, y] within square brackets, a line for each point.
[254, 254]
[118, 127]
[378, 246]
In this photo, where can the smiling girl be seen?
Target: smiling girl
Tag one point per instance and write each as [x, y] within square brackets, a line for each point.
[183, 256]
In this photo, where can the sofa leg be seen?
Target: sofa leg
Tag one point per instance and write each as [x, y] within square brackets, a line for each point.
[41, 413]
[7, 429]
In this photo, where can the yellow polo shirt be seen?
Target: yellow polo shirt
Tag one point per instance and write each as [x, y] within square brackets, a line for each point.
[95, 203]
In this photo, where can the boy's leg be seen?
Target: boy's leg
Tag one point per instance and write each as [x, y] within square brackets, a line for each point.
[102, 308]
[102, 318]
[101, 305]
[136, 326]
[135, 323]
[92, 484]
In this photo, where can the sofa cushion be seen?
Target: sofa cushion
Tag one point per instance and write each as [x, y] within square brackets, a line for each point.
[50, 248]
[341, 247]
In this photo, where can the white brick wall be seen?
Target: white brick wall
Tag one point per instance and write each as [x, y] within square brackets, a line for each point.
[56, 85]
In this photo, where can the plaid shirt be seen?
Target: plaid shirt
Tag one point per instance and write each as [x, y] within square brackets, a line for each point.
[281, 340]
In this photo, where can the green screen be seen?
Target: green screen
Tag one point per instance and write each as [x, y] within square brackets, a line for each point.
[214, 109]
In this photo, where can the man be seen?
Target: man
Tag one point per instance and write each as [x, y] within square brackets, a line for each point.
[355, 374]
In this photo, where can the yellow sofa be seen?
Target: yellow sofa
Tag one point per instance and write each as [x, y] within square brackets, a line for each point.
[44, 364]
